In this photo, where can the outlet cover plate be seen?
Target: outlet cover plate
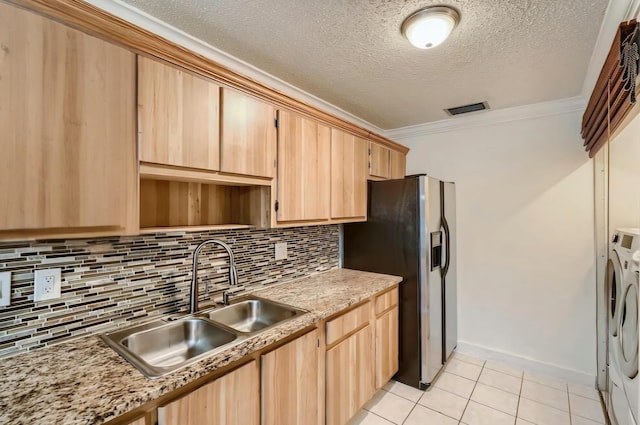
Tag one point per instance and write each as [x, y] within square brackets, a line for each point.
[5, 289]
[281, 251]
[47, 285]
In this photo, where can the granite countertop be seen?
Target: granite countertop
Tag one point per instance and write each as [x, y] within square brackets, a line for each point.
[86, 382]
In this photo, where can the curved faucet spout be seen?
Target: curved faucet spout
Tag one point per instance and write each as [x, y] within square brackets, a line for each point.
[233, 273]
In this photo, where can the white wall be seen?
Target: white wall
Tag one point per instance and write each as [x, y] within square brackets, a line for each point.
[526, 286]
[624, 177]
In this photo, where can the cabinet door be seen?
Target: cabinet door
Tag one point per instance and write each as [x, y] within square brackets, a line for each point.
[397, 165]
[386, 346]
[232, 399]
[248, 141]
[178, 117]
[290, 383]
[67, 120]
[304, 162]
[348, 176]
[378, 160]
[350, 377]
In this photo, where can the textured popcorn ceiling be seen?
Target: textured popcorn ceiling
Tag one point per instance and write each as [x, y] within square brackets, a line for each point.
[351, 53]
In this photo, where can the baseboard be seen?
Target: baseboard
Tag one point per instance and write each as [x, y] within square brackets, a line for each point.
[569, 375]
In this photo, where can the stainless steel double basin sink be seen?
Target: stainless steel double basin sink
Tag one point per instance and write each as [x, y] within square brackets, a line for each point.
[160, 347]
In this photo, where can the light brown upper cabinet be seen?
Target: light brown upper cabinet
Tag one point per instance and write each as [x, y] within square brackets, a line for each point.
[67, 119]
[378, 161]
[348, 176]
[248, 141]
[178, 117]
[398, 165]
[304, 162]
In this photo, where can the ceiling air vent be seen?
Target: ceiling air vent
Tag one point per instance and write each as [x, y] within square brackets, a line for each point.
[459, 110]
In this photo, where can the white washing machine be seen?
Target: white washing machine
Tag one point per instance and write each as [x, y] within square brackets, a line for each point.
[622, 282]
[617, 405]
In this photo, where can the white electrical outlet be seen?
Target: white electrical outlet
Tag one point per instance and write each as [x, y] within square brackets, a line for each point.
[281, 251]
[47, 285]
[5, 289]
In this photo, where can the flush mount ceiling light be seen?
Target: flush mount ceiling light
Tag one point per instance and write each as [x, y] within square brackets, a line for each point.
[430, 26]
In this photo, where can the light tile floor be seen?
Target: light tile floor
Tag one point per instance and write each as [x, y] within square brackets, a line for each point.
[473, 391]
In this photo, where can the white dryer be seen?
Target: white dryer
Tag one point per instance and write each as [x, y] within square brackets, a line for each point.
[623, 357]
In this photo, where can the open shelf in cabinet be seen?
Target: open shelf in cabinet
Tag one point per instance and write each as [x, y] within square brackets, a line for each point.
[169, 205]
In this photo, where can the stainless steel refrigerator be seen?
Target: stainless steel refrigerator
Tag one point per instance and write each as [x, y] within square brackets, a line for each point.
[411, 232]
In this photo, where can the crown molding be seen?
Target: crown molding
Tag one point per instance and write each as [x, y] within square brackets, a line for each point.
[617, 11]
[138, 17]
[491, 117]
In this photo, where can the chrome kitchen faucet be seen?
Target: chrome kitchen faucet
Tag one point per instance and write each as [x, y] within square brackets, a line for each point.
[233, 274]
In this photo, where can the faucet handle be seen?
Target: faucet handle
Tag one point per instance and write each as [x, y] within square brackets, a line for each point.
[229, 292]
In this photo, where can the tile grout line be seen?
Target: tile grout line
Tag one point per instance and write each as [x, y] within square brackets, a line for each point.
[374, 413]
[476, 381]
[401, 396]
[381, 417]
[410, 412]
[475, 401]
[519, 397]
[569, 404]
[522, 379]
[437, 411]
[474, 388]
[415, 403]
[468, 362]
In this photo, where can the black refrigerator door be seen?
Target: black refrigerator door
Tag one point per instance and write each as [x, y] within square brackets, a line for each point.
[389, 243]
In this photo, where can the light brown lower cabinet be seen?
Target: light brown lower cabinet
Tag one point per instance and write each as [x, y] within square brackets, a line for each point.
[386, 346]
[233, 399]
[349, 376]
[290, 383]
[139, 421]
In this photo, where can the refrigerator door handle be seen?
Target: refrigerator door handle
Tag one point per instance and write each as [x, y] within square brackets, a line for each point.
[447, 247]
[447, 241]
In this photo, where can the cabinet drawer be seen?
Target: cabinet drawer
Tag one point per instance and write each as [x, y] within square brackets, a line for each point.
[386, 300]
[347, 323]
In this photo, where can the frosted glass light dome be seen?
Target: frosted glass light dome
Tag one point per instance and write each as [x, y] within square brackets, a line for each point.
[429, 27]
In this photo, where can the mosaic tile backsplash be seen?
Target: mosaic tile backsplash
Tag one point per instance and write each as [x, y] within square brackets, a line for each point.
[113, 282]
